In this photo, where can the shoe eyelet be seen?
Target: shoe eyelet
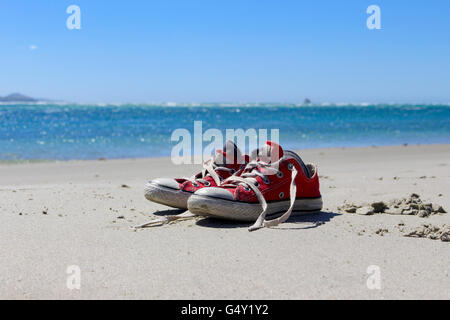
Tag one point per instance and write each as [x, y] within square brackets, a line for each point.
[195, 184]
[246, 188]
[207, 184]
[266, 181]
[280, 174]
[290, 166]
[257, 184]
[281, 195]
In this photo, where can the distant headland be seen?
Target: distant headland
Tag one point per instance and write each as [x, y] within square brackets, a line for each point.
[17, 97]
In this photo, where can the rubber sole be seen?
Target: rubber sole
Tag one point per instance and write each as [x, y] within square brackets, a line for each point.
[167, 196]
[249, 212]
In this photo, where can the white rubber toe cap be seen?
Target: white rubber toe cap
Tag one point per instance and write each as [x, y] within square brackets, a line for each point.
[215, 193]
[166, 182]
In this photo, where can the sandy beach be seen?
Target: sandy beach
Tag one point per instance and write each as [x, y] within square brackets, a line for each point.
[58, 214]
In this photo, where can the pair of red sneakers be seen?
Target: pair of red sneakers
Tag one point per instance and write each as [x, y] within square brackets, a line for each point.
[270, 188]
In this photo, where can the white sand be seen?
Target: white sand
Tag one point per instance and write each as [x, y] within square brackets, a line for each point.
[211, 259]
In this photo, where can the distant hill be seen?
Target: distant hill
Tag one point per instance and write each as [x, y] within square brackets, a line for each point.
[17, 97]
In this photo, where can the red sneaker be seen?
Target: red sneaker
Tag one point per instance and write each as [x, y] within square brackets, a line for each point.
[175, 192]
[274, 185]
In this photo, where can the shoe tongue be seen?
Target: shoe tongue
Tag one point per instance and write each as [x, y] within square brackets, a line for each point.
[228, 155]
[269, 153]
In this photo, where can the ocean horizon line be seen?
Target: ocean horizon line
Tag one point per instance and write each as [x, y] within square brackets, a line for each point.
[220, 104]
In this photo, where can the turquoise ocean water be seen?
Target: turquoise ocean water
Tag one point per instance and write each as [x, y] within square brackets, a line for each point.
[63, 132]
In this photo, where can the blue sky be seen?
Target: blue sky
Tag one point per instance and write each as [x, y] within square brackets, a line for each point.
[226, 51]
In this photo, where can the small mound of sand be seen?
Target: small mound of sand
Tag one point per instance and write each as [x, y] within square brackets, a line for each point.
[431, 232]
[412, 205]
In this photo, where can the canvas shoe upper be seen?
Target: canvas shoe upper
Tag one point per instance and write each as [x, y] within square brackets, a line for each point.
[273, 185]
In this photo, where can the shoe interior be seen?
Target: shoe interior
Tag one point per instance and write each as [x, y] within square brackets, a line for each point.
[312, 169]
[308, 170]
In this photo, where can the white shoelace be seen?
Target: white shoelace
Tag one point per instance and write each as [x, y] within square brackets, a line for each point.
[163, 220]
[210, 168]
[249, 179]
